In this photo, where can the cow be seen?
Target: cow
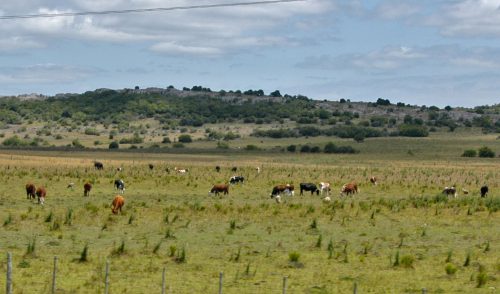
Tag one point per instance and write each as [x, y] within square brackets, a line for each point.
[119, 169]
[217, 168]
[258, 170]
[117, 204]
[373, 180]
[465, 191]
[277, 198]
[308, 187]
[181, 171]
[350, 188]
[30, 191]
[41, 192]
[98, 165]
[70, 186]
[219, 188]
[120, 185]
[279, 189]
[484, 191]
[86, 189]
[324, 188]
[450, 191]
[236, 179]
[234, 168]
[151, 166]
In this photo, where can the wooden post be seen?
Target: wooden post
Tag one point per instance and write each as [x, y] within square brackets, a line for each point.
[221, 274]
[424, 291]
[8, 283]
[163, 288]
[106, 278]
[355, 289]
[54, 273]
[284, 284]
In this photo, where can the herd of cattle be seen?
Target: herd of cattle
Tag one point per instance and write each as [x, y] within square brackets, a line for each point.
[277, 192]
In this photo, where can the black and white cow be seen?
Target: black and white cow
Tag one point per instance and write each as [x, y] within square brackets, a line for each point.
[120, 185]
[308, 187]
[236, 180]
[484, 191]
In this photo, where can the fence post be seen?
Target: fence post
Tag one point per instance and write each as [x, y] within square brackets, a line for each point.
[284, 284]
[54, 273]
[8, 283]
[424, 291]
[355, 289]
[106, 278]
[163, 288]
[221, 274]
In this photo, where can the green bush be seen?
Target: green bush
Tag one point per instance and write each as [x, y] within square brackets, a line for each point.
[185, 138]
[91, 131]
[450, 269]
[486, 152]
[407, 130]
[469, 153]
[114, 145]
[291, 148]
[15, 141]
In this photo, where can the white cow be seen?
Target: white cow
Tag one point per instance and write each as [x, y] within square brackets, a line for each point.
[324, 188]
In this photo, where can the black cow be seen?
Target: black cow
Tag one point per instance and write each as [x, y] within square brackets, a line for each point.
[217, 168]
[484, 191]
[98, 165]
[234, 168]
[151, 166]
[120, 185]
[236, 179]
[308, 187]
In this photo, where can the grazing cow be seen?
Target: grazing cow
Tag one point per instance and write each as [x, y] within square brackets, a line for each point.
[450, 191]
[234, 168]
[219, 188]
[217, 168]
[120, 185]
[181, 171]
[373, 180]
[86, 189]
[40, 194]
[351, 188]
[117, 204]
[465, 191]
[151, 166]
[484, 191]
[279, 189]
[30, 191]
[308, 187]
[98, 165]
[119, 169]
[277, 198]
[70, 186]
[324, 188]
[236, 179]
[258, 170]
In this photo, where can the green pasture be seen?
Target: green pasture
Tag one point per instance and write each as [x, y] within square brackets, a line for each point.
[397, 237]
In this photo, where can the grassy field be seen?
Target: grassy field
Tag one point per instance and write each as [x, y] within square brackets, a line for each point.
[397, 237]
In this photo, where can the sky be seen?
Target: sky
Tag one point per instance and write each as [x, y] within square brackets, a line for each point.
[420, 52]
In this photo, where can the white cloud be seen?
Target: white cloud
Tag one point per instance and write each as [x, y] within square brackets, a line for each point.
[396, 9]
[11, 44]
[43, 73]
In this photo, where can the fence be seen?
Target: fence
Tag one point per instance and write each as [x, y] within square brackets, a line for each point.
[9, 282]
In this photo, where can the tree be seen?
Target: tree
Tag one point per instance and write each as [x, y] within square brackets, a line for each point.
[291, 148]
[275, 94]
[330, 147]
[469, 153]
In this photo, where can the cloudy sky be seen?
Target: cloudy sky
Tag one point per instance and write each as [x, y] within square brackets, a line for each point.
[425, 52]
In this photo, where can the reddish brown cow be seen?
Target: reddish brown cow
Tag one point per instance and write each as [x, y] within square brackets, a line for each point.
[117, 204]
[30, 191]
[86, 189]
[373, 180]
[279, 189]
[351, 188]
[219, 188]
[41, 192]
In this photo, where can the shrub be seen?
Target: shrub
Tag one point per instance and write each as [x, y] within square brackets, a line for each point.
[185, 138]
[407, 130]
[305, 148]
[469, 153]
[450, 269]
[486, 152]
[294, 256]
[114, 145]
[291, 148]
[14, 141]
[407, 261]
[166, 140]
[92, 132]
[251, 147]
[178, 145]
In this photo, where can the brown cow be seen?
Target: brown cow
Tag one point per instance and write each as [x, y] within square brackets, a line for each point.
[279, 189]
[86, 189]
[30, 191]
[351, 188]
[41, 192]
[219, 188]
[373, 180]
[117, 204]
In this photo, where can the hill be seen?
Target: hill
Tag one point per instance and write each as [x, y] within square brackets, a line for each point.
[163, 115]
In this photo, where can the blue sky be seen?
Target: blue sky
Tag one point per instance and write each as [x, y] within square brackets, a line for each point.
[418, 52]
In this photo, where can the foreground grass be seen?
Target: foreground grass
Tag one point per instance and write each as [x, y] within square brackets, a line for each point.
[247, 235]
